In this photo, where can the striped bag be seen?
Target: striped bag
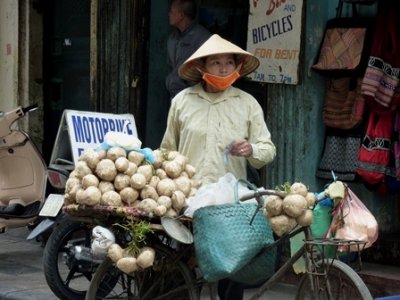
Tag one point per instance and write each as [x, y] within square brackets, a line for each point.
[346, 45]
[341, 49]
[344, 105]
[381, 81]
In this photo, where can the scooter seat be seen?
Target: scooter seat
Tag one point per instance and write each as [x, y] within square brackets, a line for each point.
[16, 210]
[13, 209]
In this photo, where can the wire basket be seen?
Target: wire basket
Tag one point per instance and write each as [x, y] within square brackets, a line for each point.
[323, 251]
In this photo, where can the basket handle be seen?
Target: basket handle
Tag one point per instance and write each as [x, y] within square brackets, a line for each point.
[250, 186]
[245, 183]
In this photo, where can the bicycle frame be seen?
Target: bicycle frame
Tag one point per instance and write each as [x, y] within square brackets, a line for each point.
[313, 264]
[278, 275]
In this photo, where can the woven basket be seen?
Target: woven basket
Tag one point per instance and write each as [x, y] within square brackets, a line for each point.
[225, 242]
[259, 269]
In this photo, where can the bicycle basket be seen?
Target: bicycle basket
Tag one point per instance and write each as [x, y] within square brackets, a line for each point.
[259, 269]
[225, 242]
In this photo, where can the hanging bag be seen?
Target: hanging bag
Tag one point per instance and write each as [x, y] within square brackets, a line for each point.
[344, 105]
[392, 176]
[382, 76]
[374, 154]
[396, 147]
[339, 155]
[227, 238]
[353, 221]
[346, 44]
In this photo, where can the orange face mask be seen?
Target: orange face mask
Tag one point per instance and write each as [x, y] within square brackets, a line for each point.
[221, 83]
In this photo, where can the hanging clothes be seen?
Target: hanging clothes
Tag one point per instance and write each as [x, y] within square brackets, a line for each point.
[382, 77]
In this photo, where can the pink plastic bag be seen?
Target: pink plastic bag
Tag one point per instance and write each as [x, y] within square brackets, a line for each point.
[353, 221]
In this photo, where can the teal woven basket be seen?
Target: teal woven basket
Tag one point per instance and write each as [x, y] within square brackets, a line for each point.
[227, 245]
[260, 268]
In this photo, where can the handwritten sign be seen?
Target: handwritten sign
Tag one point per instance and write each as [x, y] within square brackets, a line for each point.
[87, 130]
[274, 37]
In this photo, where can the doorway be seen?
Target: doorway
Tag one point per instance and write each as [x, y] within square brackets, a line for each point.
[66, 63]
[229, 19]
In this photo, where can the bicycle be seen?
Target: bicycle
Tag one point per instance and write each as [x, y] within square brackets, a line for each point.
[173, 276]
[325, 277]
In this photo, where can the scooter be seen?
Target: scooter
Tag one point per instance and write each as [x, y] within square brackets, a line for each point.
[23, 174]
[25, 198]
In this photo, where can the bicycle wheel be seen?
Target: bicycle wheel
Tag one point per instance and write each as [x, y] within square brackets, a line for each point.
[342, 282]
[166, 279]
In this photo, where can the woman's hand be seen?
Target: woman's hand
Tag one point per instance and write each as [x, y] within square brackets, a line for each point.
[242, 148]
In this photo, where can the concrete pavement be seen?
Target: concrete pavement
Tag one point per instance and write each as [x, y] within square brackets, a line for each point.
[21, 271]
[22, 278]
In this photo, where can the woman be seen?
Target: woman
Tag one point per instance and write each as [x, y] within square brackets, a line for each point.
[212, 116]
[212, 119]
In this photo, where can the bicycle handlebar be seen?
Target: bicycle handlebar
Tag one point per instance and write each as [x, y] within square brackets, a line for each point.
[263, 192]
[260, 193]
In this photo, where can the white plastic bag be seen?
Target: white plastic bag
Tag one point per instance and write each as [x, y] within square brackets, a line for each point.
[221, 192]
[103, 238]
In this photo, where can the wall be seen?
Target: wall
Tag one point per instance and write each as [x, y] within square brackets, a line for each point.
[8, 54]
[30, 69]
[35, 78]
[20, 62]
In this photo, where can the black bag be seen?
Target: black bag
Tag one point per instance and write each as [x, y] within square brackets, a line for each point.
[339, 155]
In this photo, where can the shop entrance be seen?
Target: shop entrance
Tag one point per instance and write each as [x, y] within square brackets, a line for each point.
[229, 19]
[66, 61]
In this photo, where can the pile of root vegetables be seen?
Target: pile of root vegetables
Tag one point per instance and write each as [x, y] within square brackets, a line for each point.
[120, 178]
[134, 257]
[289, 210]
[127, 262]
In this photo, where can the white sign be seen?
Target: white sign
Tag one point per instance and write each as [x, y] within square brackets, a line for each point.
[274, 37]
[52, 205]
[87, 129]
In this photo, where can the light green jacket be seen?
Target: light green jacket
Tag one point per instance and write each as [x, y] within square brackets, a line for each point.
[200, 128]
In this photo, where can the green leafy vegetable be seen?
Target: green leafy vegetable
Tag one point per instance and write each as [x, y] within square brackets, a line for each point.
[138, 231]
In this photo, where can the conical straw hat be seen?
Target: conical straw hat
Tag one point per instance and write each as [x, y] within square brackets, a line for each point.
[216, 45]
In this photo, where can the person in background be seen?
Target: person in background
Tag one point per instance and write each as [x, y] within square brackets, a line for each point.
[213, 117]
[183, 41]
